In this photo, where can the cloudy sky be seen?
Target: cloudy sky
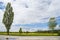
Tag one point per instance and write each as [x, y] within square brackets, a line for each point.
[31, 15]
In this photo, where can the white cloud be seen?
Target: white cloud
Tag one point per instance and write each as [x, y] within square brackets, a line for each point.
[57, 27]
[14, 29]
[54, 8]
[2, 28]
[34, 12]
[55, 5]
[31, 14]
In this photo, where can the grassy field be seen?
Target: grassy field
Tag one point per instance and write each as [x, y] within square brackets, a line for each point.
[29, 34]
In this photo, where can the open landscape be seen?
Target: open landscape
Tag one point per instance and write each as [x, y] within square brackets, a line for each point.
[29, 34]
[29, 19]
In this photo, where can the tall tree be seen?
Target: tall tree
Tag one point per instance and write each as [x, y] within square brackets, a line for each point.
[52, 23]
[20, 31]
[8, 17]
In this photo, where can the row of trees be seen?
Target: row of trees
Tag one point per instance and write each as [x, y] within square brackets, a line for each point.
[9, 16]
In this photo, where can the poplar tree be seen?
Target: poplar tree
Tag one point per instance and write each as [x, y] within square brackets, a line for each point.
[8, 17]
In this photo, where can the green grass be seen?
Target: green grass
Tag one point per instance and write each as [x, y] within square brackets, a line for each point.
[29, 34]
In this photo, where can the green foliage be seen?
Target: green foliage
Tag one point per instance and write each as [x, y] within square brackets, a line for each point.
[20, 31]
[58, 33]
[52, 23]
[27, 31]
[8, 17]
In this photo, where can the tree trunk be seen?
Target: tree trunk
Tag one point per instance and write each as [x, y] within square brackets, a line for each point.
[7, 31]
[52, 32]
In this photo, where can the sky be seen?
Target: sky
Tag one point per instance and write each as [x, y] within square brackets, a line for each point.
[31, 15]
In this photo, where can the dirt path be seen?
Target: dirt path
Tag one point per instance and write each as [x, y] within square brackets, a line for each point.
[30, 37]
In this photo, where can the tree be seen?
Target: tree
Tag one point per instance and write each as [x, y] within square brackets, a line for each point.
[27, 31]
[59, 31]
[8, 17]
[52, 23]
[20, 31]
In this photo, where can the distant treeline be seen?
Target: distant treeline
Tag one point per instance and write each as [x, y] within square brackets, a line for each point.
[49, 31]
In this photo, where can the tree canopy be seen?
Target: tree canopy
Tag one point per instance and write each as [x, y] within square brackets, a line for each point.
[8, 17]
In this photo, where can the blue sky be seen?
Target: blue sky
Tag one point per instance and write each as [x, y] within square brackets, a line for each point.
[31, 15]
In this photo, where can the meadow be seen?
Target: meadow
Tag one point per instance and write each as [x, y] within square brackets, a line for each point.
[29, 34]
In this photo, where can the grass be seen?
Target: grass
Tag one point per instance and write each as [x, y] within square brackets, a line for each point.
[28, 34]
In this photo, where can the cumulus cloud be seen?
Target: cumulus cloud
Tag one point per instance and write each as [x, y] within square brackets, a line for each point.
[33, 11]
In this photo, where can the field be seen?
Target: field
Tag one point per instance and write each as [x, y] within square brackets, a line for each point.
[29, 34]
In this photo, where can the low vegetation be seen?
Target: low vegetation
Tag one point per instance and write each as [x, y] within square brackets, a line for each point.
[29, 34]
